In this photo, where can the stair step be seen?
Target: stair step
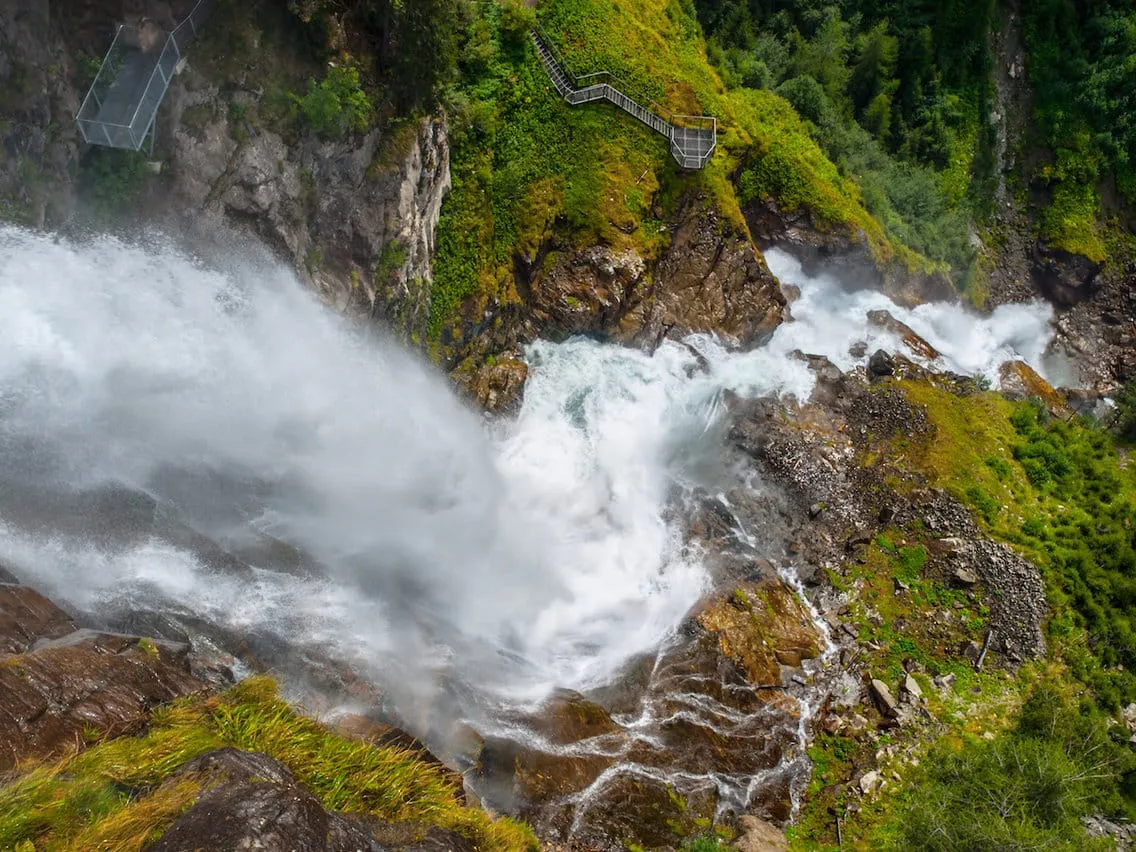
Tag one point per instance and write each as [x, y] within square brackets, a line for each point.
[685, 146]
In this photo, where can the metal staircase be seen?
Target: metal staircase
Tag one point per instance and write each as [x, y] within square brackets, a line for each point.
[692, 138]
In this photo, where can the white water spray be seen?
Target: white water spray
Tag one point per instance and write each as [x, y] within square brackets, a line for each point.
[534, 559]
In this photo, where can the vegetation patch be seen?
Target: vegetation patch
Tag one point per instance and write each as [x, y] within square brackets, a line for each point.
[528, 167]
[116, 793]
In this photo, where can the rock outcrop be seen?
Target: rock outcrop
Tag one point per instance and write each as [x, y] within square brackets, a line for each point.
[355, 217]
[60, 686]
[39, 141]
[817, 245]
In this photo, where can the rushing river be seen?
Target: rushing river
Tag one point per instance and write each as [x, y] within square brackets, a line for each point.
[422, 544]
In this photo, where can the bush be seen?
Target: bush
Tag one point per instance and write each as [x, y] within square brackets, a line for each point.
[111, 180]
[337, 105]
[1026, 789]
[516, 20]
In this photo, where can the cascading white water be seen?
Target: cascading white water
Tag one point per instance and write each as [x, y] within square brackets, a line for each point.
[537, 555]
[538, 559]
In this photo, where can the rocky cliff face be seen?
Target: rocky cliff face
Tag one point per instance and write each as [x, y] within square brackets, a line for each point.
[709, 279]
[39, 142]
[355, 217]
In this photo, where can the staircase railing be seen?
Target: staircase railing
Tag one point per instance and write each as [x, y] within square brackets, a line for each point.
[692, 138]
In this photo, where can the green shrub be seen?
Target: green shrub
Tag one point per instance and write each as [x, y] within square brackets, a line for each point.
[337, 105]
[112, 180]
[1025, 789]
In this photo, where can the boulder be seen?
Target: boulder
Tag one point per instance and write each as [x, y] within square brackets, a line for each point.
[252, 801]
[1018, 380]
[964, 577]
[915, 343]
[911, 688]
[883, 699]
[263, 815]
[760, 836]
[870, 782]
[881, 364]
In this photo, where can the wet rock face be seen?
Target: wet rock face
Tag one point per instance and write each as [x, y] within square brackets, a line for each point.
[680, 738]
[705, 729]
[585, 292]
[39, 140]
[53, 695]
[27, 616]
[356, 218]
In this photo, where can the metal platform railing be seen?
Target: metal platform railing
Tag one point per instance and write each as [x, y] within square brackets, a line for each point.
[122, 103]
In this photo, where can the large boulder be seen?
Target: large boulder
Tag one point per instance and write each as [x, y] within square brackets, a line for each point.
[918, 346]
[1064, 278]
[251, 801]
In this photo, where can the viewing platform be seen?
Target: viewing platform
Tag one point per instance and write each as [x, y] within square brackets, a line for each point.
[122, 104]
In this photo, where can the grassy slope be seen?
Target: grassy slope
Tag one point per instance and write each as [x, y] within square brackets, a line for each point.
[1059, 493]
[118, 794]
[526, 165]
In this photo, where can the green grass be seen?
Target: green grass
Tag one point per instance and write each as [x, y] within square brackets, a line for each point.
[529, 170]
[1060, 494]
[117, 792]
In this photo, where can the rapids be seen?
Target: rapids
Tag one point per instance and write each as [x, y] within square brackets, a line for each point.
[424, 545]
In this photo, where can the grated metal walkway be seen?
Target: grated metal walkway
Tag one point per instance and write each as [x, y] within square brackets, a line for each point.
[122, 103]
[692, 138]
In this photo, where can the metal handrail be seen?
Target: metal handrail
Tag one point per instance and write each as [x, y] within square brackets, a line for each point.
[655, 116]
[623, 86]
[160, 77]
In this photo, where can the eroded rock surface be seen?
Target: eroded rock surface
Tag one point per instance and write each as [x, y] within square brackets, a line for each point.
[251, 801]
[62, 690]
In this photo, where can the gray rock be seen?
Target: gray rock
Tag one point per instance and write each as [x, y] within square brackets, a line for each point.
[884, 700]
[911, 688]
[1128, 714]
[964, 577]
[870, 782]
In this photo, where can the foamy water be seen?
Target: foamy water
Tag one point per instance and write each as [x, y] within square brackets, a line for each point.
[534, 556]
